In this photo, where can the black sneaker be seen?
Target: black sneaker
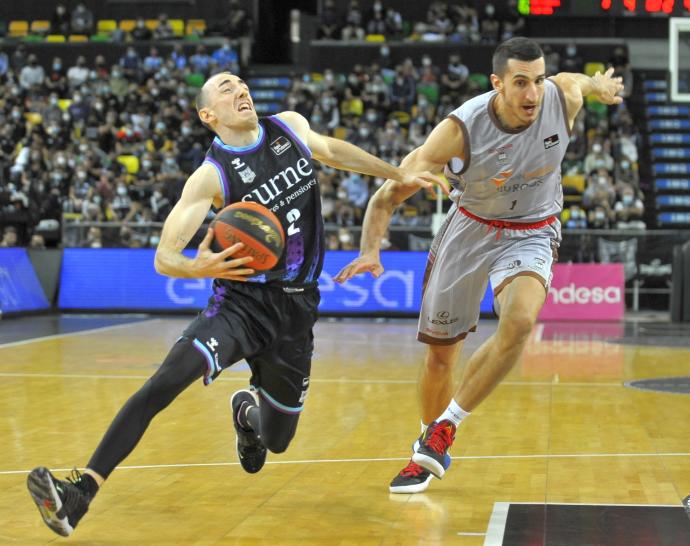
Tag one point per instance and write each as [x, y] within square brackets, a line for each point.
[411, 479]
[61, 503]
[250, 450]
[432, 453]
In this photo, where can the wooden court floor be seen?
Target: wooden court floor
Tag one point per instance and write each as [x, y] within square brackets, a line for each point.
[561, 429]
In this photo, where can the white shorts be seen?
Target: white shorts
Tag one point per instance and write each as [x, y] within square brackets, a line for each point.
[466, 253]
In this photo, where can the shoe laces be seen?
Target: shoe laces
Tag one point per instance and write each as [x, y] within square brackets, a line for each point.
[412, 470]
[440, 437]
[74, 477]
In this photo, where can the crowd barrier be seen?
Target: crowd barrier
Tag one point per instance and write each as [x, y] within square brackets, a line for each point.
[119, 279]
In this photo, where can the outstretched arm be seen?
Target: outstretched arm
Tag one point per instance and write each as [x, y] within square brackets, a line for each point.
[348, 157]
[183, 222]
[604, 87]
[445, 142]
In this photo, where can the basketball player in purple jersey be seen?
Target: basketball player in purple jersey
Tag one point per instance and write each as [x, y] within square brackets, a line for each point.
[266, 319]
[502, 152]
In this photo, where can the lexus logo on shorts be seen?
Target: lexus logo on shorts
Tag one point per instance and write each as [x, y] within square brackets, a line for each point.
[443, 314]
[443, 318]
[516, 263]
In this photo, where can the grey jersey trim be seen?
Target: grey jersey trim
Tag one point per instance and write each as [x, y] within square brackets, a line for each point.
[466, 143]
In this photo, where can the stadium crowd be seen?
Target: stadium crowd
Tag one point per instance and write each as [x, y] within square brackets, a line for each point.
[94, 142]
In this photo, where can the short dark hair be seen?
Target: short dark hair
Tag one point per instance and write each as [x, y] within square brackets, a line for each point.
[522, 49]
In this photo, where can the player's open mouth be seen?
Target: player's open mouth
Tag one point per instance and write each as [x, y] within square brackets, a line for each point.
[244, 107]
[529, 109]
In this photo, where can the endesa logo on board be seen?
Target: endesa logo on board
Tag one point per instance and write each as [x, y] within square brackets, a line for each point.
[585, 292]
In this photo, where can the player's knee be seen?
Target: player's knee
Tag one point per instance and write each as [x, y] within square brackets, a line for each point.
[517, 327]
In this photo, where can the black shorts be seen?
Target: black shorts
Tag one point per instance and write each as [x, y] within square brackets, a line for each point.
[270, 327]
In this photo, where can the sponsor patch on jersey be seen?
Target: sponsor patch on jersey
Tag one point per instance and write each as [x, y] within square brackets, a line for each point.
[550, 142]
[280, 145]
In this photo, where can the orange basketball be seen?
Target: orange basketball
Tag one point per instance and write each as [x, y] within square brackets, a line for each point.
[255, 226]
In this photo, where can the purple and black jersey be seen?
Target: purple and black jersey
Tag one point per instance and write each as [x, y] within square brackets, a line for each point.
[277, 172]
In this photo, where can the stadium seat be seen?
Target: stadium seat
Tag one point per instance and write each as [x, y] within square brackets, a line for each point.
[64, 104]
[55, 38]
[100, 38]
[178, 27]
[78, 38]
[32, 38]
[130, 162]
[574, 181]
[592, 68]
[127, 25]
[40, 26]
[196, 26]
[106, 26]
[195, 79]
[340, 133]
[402, 117]
[18, 29]
[151, 24]
[34, 118]
[375, 38]
[429, 91]
[479, 80]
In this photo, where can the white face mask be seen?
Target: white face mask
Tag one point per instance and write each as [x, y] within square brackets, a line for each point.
[596, 148]
[628, 199]
[121, 191]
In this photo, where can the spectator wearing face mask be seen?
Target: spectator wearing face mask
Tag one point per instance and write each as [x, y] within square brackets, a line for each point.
[597, 159]
[78, 74]
[571, 61]
[489, 25]
[82, 20]
[140, 32]
[599, 191]
[629, 210]
[225, 58]
[577, 218]
[60, 20]
[600, 217]
[32, 75]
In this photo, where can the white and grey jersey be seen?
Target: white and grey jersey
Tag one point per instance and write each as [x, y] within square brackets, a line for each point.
[511, 174]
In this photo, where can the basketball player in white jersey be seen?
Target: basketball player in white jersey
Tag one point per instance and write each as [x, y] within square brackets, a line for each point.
[502, 152]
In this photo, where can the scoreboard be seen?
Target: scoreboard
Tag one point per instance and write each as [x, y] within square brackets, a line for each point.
[612, 8]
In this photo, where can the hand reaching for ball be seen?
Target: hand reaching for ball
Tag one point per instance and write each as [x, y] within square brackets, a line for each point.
[219, 264]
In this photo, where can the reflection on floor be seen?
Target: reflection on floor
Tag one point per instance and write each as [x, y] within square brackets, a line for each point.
[558, 455]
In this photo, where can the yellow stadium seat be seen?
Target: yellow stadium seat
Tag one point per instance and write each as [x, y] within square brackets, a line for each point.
[106, 26]
[40, 27]
[34, 118]
[178, 27]
[130, 162]
[593, 68]
[64, 104]
[151, 24]
[574, 181]
[18, 28]
[196, 26]
[55, 38]
[78, 38]
[127, 25]
[340, 133]
[375, 38]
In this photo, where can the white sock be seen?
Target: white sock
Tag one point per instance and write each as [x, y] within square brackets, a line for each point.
[454, 413]
[423, 426]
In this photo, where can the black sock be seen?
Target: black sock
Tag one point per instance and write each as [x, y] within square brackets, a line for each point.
[88, 485]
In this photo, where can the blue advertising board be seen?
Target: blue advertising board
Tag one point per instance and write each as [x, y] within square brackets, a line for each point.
[19, 286]
[126, 279]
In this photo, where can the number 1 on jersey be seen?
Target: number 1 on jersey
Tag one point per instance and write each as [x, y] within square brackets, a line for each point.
[513, 205]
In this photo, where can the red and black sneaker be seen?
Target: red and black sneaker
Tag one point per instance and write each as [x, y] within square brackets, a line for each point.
[411, 479]
[432, 453]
